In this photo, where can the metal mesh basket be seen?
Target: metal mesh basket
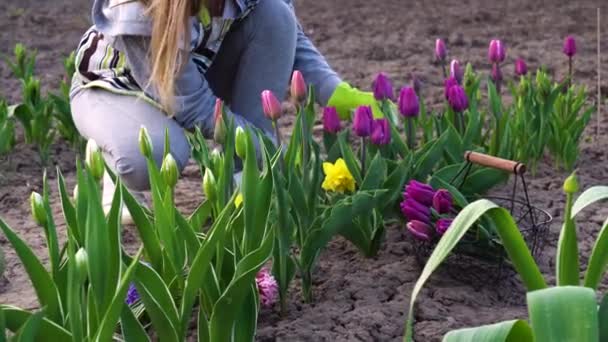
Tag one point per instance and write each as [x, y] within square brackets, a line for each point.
[474, 262]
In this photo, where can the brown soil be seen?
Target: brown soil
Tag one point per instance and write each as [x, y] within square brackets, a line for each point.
[356, 299]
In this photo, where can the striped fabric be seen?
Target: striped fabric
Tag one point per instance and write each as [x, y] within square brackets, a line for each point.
[99, 64]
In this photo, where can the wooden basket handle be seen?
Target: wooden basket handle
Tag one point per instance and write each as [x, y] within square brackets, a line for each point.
[495, 162]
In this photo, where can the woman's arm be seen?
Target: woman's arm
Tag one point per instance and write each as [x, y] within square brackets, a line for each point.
[314, 66]
[194, 99]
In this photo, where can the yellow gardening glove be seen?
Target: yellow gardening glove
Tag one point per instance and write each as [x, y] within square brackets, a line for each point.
[346, 99]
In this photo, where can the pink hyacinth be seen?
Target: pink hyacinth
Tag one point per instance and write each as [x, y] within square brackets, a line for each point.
[267, 288]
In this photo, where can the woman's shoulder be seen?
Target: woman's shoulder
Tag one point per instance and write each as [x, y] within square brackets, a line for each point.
[121, 17]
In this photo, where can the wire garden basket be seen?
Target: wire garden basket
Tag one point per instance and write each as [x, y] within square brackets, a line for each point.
[483, 261]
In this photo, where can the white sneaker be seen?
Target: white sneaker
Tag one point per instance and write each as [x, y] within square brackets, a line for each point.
[238, 179]
[108, 195]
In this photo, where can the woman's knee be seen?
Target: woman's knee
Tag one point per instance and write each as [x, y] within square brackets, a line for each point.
[132, 167]
[274, 19]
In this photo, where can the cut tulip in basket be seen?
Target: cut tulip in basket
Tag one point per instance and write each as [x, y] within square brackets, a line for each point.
[430, 208]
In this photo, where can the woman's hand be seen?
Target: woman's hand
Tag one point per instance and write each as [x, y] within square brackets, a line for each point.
[346, 98]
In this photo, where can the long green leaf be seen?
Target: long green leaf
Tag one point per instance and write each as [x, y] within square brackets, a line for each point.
[508, 331]
[43, 283]
[132, 330]
[510, 235]
[589, 197]
[30, 329]
[15, 318]
[603, 319]
[74, 293]
[567, 267]
[201, 264]
[598, 260]
[144, 227]
[49, 229]
[229, 305]
[97, 245]
[112, 314]
[69, 212]
[564, 314]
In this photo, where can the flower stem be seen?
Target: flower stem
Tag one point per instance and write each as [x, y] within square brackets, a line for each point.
[569, 72]
[305, 152]
[410, 133]
[445, 72]
[277, 132]
[363, 156]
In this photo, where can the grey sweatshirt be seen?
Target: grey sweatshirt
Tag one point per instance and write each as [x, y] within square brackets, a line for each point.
[124, 21]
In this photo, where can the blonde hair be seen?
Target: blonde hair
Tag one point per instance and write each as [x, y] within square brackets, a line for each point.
[170, 28]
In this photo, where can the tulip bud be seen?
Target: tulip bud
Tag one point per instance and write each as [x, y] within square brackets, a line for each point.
[420, 230]
[38, 210]
[209, 185]
[408, 103]
[456, 71]
[271, 105]
[457, 98]
[145, 142]
[381, 133]
[298, 86]
[448, 84]
[383, 89]
[82, 265]
[496, 74]
[413, 210]
[94, 159]
[440, 50]
[521, 69]
[443, 225]
[169, 171]
[442, 201]
[216, 157]
[331, 120]
[219, 132]
[362, 123]
[420, 192]
[569, 46]
[496, 52]
[571, 184]
[240, 143]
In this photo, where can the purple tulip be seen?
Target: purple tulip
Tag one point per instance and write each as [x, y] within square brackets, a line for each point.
[383, 88]
[496, 52]
[420, 230]
[362, 123]
[456, 71]
[381, 132]
[442, 201]
[413, 210]
[420, 192]
[448, 84]
[331, 120]
[521, 69]
[132, 295]
[442, 225]
[408, 102]
[457, 98]
[496, 74]
[440, 50]
[569, 46]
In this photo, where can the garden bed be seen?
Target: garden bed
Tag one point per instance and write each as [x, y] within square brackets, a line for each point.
[355, 298]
